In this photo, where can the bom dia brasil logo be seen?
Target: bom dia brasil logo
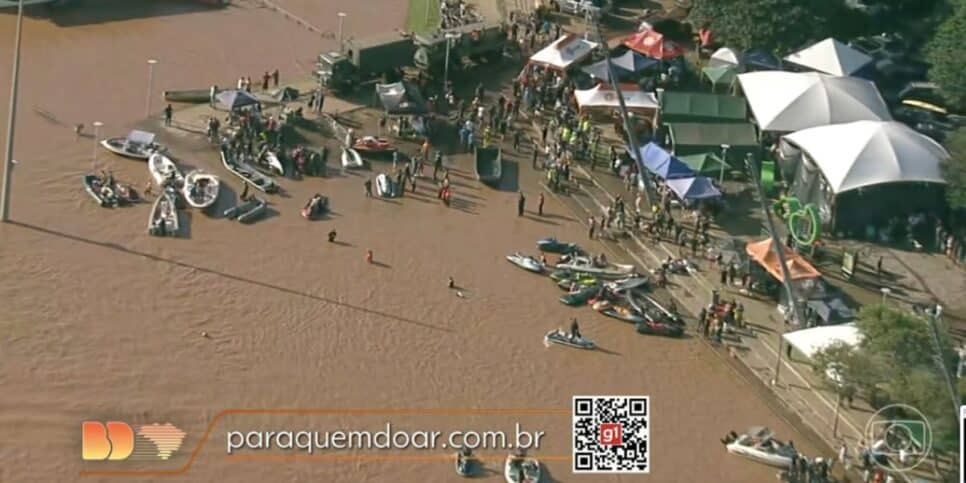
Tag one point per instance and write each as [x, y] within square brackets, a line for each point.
[118, 441]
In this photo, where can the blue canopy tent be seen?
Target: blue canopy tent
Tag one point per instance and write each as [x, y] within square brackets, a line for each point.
[662, 163]
[625, 66]
[760, 59]
[693, 188]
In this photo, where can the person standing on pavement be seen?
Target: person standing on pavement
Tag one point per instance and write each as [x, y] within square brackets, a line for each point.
[168, 113]
[521, 204]
[275, 77]
[265, 78]
[437, 164]
[540, 205]
[368, 186]
[592, 226]
[517, 137]
[843, 458]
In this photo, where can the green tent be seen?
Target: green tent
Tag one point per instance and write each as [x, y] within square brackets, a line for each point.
[707, 164]
[724, 75]
[697, 138]
[701, 107]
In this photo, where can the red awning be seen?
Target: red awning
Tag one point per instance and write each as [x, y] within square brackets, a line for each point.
[798, 267]
[654, 45]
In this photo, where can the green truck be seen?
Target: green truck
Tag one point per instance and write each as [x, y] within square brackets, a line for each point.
[479, 42]
[364, 60]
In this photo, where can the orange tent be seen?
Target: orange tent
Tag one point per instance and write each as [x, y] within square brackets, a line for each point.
[653, 44]
[798, 267]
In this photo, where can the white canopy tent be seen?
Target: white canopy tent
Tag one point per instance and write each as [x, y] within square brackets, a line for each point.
[810, 341]
[604, 96]
[724, 57]
[866, 153]
[831, 57]
[564, 52]
[788, 101]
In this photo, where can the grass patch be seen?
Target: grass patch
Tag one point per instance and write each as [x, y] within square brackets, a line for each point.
[423, 16]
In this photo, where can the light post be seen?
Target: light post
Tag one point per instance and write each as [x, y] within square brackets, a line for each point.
[8, 159]
[97, 138]
[724, 161]
[885, 294]
[341, 24]
[151, 64]
[449, 39]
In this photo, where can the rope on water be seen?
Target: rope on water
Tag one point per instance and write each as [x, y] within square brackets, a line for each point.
[325, 34]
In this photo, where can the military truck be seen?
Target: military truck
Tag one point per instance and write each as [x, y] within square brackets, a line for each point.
[478, 42]
[365, 59]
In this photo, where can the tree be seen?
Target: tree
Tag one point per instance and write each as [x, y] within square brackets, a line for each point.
[780, 26]
[945, 54]
[954, 169]
[900, 336]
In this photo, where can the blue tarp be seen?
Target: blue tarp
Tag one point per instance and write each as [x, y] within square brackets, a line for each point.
[662, 163]
[693, 188]
[760, 59]
[625, 66]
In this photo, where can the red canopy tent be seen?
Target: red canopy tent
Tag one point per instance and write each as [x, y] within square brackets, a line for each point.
[653, 44]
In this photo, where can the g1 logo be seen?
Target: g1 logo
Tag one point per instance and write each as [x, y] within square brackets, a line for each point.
[611, 434]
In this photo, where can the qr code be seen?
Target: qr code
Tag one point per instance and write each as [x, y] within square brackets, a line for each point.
[611, 434]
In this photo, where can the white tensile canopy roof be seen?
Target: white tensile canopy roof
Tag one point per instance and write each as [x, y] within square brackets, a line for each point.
[724, 57]
[140, 137]
[831, 57]
[788, 101]
[810, 341]
[866, 153]
[601, 96]
[564, 52]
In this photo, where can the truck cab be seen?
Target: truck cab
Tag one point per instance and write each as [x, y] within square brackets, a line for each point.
[336, 71]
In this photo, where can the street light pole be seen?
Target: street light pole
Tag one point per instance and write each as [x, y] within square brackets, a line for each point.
[11, 120]
[151, 64]
[97, 138]
[724, 161]
[341, 22]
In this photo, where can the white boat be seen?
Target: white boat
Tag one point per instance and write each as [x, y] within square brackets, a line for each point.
[559, 336]
[274, 164]
[521, 469]
[602, 270]
[201, 189]
[759, 444]
[164, 170]
[248, 173]
[526, 262]
[137, 145]
[385, 187]
[351, 159]
[164, 215]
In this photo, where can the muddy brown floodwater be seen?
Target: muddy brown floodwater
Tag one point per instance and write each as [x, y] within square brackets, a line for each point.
[100, 321]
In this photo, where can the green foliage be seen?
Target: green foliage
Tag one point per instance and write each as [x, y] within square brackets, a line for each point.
[847, 370]
[422, 16]
[900, 336]
[781, 26]
[945, 53]
[954, 170]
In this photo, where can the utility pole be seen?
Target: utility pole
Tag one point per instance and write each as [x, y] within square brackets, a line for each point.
[631, 137]
[11, 120]
[776, 244]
